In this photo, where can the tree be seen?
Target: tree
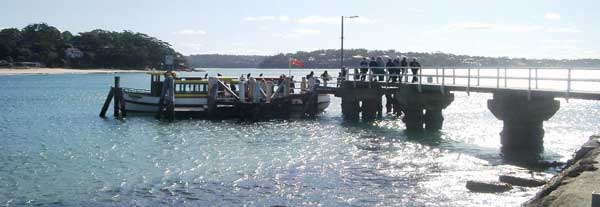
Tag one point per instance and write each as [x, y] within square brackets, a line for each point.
[9, 41]
[101, 48]
[45, 42]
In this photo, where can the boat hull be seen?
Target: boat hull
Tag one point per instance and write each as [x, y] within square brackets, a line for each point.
[145, 103]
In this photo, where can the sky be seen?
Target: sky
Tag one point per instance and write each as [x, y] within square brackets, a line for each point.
[556, 29]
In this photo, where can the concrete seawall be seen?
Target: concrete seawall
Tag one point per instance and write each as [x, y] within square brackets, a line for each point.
[574, 185]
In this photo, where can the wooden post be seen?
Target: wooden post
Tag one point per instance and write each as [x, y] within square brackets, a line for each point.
[303, 85]
[116, 103]
[212, 96]
[528, 85]
[453, 76]
[443, 81]
[568, 83]
[242, 91]
[419, 74]
[161, 101]
[251, 85]
[286, 87]
[171, 98]
[269, 87]
[109, 97]
[166, 103]
[436, 76]
[256, 93]
[536, 78]
[478, 76]
[505, 79]
[122, 102]
[497, 77]
[469, 82]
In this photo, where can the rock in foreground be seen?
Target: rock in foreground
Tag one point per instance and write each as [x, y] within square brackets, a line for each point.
[492, 187]
[517, 181]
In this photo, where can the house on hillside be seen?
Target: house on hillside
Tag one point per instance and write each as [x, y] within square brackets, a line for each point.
[73, 53]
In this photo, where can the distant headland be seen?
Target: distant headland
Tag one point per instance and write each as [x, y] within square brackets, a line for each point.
[331, 59]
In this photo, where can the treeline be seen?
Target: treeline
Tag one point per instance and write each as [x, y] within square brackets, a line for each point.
[224, 61]
[98, 48]
[352, 57]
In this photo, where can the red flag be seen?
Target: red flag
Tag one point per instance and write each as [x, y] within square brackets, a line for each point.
[296, 62]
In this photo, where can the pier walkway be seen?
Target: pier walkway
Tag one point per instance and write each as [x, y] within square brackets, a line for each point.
[523, 100]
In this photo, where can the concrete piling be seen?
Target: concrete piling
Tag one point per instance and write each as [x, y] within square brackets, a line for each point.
[350, 109]
[523, 119]
[361, 99]
[369, 110]
[422, 110]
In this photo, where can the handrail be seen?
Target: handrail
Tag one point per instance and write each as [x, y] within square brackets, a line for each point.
[532, 76]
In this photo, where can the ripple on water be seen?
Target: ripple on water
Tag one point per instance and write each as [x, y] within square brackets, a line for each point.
[55, 151]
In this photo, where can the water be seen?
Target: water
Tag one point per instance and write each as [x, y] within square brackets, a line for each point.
[55, 151]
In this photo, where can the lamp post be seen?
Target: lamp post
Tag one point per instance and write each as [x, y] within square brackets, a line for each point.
[342, 39]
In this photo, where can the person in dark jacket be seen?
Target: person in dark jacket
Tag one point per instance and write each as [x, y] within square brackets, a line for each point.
[364, 68]
[390, 67]
[415, 66]
[373, 65]
[381, 70]
[325, 77]
[403, 65]
[395, 71]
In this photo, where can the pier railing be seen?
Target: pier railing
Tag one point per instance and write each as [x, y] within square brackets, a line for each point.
[556, 79]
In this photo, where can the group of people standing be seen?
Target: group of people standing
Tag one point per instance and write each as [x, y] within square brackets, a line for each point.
[396, 68]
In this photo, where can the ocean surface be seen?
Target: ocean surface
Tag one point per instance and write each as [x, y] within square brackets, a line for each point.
[56, 151]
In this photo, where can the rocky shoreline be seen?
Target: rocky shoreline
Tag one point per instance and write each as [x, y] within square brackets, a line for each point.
[574, 185]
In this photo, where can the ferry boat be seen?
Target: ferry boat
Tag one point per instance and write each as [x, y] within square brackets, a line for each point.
[192, 95]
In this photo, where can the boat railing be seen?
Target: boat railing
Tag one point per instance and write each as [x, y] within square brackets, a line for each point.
[135, 90]
[231, 88]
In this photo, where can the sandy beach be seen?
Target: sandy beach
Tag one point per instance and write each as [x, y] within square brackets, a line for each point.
[29, 71]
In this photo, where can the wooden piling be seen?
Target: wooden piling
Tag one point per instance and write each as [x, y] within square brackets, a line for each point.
[256, 92]
[109, 97]
[311, 84]
[303, 85]
[116, 103]
[242, 91]
[369, 110]
[350, 109]
[269, 87]
[212, 97]
[251, 85]
[122, 103]
[166, 108]
[286, 87]
[161, 101]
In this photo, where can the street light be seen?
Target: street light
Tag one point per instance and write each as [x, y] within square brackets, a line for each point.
[342, 39]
